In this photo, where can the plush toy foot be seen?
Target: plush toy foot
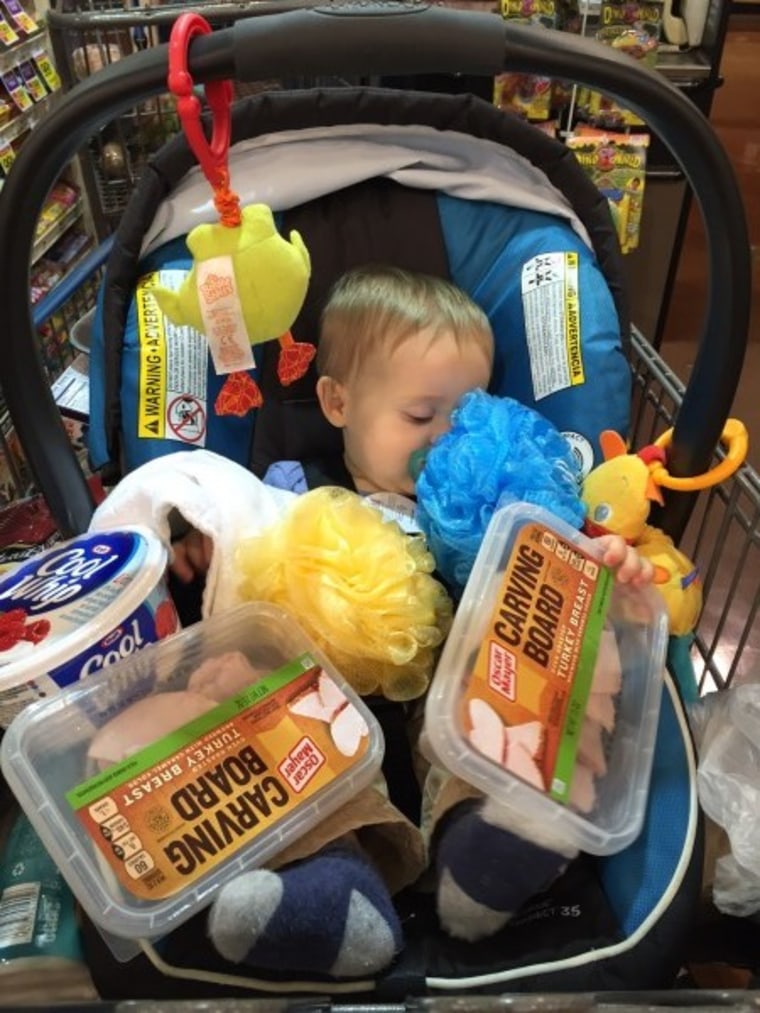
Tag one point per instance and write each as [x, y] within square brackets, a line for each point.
[488, 864]
[294, 359]
[239, 395]
[330, 914]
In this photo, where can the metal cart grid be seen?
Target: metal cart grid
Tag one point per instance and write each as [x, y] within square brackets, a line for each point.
[57, 317]
[87, 35]
[722, 537]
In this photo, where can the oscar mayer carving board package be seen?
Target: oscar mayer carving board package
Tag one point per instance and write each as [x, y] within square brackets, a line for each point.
[150, 793]
[547, 693]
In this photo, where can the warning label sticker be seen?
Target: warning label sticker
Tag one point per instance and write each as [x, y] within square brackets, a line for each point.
[551, 306]
[172, 398]
[187, 419]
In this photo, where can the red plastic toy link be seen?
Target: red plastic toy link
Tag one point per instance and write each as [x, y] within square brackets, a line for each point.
[212, 156]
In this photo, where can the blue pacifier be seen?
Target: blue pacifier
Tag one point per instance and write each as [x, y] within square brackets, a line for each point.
[417, 462]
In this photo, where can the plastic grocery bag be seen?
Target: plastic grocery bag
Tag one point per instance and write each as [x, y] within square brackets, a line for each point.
[726, 727]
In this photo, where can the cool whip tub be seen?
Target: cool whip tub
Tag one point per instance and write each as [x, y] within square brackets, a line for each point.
[78, 607]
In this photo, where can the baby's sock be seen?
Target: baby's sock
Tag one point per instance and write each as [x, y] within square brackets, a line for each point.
[330, 914]
[489, 862]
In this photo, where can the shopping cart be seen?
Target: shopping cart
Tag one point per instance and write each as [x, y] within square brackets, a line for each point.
[58, 319]
[87, 35]
[400, 39]
[722, 535]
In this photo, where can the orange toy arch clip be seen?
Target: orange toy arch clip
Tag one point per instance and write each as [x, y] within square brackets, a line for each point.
[736, 441]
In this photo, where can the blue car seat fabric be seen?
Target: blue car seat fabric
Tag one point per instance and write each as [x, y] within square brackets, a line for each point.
[553, 315]
[637, 879]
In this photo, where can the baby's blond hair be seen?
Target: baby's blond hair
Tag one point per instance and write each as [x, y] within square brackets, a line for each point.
[376, 308]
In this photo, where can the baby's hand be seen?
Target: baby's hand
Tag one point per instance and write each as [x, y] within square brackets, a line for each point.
[629, 566]
[192, 556]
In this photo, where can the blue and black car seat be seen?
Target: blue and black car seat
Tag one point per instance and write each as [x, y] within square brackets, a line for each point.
[442, 184]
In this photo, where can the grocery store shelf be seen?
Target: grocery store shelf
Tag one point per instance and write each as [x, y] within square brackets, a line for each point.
[684, 67]
[20, 51]
[56, 230]
[28, 120]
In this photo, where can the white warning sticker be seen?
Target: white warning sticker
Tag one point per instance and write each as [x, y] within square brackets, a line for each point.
[172, 397]
[551, 306]
[582, 450]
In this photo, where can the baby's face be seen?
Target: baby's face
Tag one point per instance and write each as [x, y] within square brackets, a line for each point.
[402, 402]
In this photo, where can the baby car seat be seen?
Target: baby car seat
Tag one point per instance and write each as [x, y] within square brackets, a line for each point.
[389, 200]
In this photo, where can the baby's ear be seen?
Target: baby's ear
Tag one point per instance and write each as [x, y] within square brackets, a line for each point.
[332, 400]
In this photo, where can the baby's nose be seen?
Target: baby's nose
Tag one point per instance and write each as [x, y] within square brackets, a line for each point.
[440, 425]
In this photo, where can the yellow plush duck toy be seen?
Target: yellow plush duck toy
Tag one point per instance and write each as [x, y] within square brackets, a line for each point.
[618, 495]
[267, 275]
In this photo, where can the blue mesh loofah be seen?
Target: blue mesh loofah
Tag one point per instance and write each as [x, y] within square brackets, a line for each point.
[496, 452]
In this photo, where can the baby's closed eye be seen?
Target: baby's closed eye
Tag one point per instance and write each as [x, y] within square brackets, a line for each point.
[418, 418]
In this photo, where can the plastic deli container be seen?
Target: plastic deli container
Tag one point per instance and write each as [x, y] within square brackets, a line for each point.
[78, 606]
[150, 799]
[547, 694]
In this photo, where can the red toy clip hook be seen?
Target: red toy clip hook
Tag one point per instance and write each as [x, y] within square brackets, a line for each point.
[212, 156]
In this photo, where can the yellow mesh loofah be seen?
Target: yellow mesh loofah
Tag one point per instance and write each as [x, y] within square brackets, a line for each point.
[360, 587]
